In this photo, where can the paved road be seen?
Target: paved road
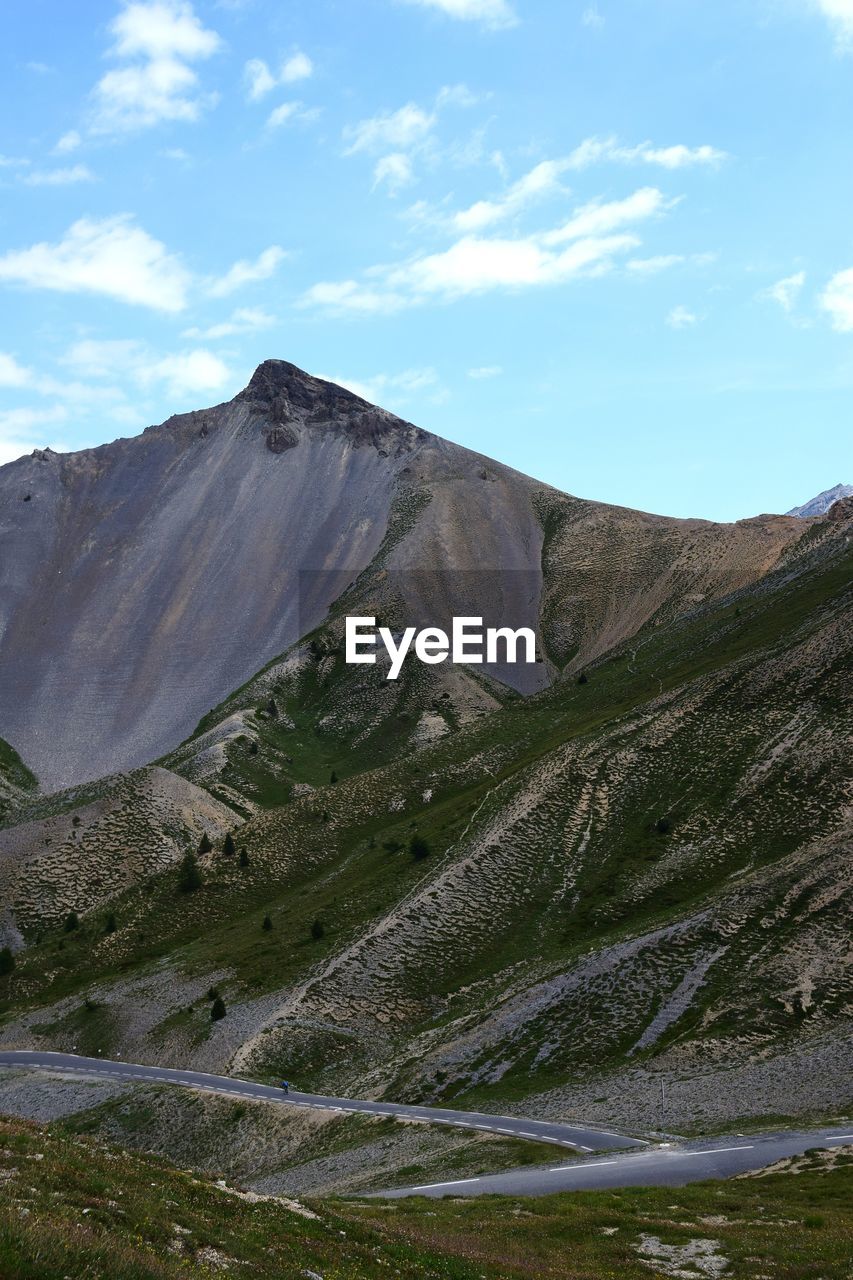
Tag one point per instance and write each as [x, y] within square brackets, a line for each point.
[661, 1166]
[637, 1163]
[561, 1135]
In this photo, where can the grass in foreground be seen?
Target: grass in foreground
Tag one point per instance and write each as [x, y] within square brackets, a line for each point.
[73, 1207]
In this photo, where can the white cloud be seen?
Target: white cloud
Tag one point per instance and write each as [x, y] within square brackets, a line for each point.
[162, 29]
[394, 170]
[13, 162]
[289, 111]
[179, 373]
[297, 67]
[608, 150]
[485, 371]
[651, 266]
[588, 244]
[396, 137]
[837, 300]
[597, 218]
[108, 256]
[190, 371]
[59, 177]
[839, 13]
[158, 39]
[69, 141]
[394, 130]
[591, 17]
[388, 388]
[787, 290]
[681, 318]
[243, 320]
[541, 181]
[261, 80]
[13, 374]
[491, 13]
[246, 272]
[20, 430]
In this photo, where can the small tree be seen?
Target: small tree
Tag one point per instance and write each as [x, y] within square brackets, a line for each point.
[212, 993]
[244, 858]
[189, 876]
[267, 925]
[228, 847]
[72, 922]
[217, 1010]
[334, 777]
[583, 679]
[7, 961]
[318, 930]
[418, 848]
[110, 924]
[204, 845]
[272, 709]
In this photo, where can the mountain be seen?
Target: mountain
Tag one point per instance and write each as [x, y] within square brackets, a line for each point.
[819, 505]
[555, 895]
[143, 581]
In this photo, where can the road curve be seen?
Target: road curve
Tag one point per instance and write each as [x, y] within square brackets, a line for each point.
[666, 1165]
[561, 1135]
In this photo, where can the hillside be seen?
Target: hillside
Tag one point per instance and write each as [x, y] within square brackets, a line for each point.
[77, 1207]
[143, 581]
[555, 899]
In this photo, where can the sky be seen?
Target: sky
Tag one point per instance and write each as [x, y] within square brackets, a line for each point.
[607, 242]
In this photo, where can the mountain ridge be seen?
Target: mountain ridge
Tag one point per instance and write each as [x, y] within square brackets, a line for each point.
[189, 541]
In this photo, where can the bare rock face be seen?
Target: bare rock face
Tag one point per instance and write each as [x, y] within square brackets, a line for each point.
[142, 581]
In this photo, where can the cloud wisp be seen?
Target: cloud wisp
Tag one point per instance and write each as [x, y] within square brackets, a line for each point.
[588, 244]
[492, 14]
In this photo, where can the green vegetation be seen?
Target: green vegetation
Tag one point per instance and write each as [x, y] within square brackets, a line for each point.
[189, 875]
[72, 1206]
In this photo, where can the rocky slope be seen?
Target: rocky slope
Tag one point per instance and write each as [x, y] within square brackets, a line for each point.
[143, 581]
[548, 899]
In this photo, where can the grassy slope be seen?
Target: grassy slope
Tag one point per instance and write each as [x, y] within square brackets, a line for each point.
[75, 1207]
[331, 854]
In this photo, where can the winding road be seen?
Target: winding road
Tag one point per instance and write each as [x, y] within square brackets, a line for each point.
[635, 1162]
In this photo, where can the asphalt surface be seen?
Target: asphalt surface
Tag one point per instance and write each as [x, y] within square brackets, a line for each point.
[635, 1162]
[561, 1135]
[660, 1166]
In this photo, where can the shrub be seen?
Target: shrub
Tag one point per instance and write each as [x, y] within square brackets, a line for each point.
[72, 922]
[583, 679]
[334, 777]
[318, 930]
[110, 924]
[189, 876]
[267, 925]
[244, 858]
[217, 1010]
[204, 845]
[7, 961]
[228, 846]
[213, 993]
[418, 848]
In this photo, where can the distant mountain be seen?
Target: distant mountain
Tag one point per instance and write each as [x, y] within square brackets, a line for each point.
[144, 581]
[820, 505]
[447, 887]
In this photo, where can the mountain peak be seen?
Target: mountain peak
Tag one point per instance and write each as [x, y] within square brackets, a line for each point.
[820, 504]
[274, 380]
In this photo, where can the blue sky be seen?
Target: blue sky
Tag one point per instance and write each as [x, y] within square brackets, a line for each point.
[608, 242]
